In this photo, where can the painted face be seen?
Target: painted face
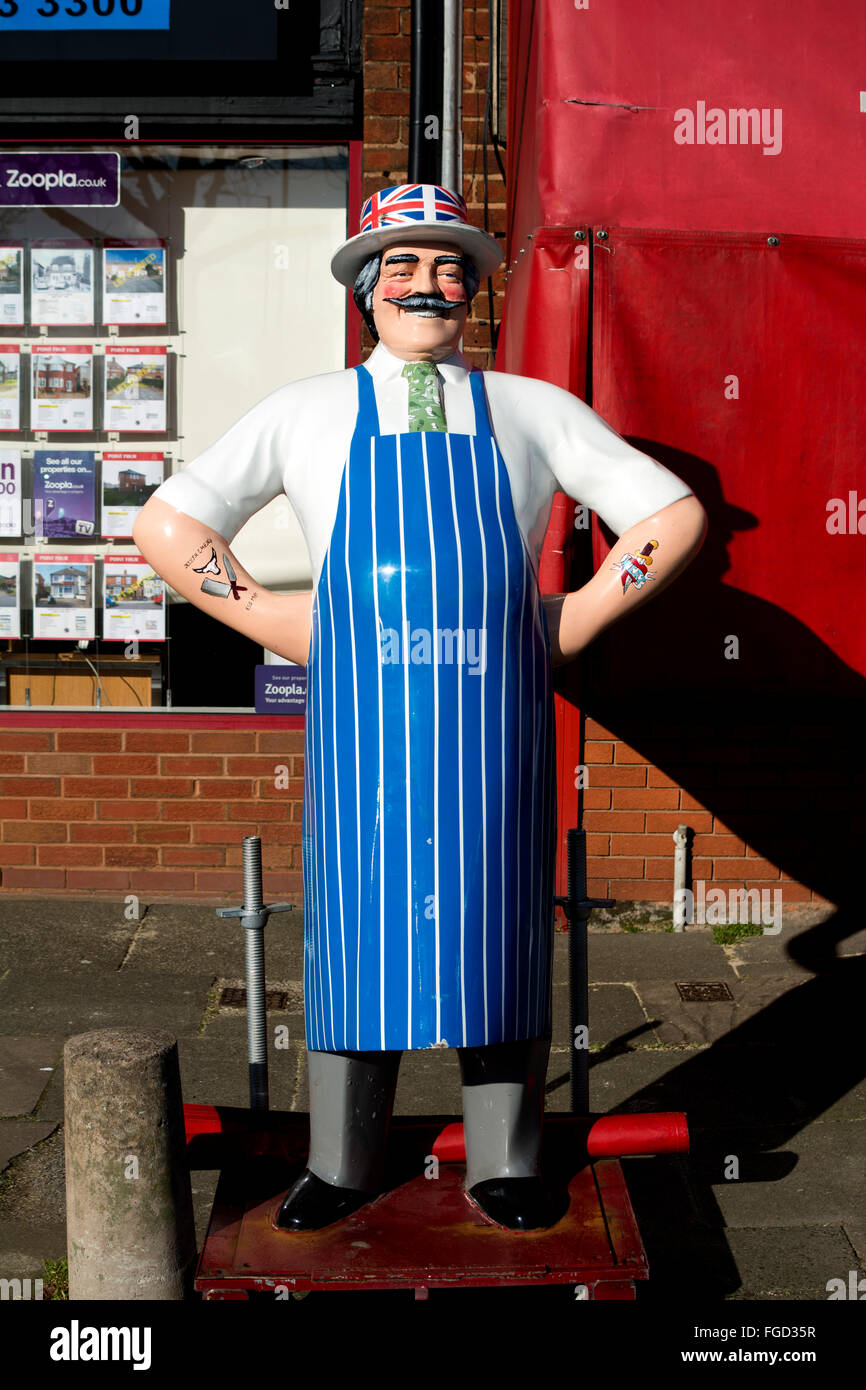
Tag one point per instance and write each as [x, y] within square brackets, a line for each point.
[411, 300]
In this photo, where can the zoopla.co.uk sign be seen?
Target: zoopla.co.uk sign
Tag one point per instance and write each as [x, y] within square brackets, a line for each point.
[38, 180]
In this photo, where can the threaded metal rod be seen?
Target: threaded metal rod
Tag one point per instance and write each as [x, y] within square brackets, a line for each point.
[254, 916]
[254, 955]
[578, 976]
[254, 951]
[252, 851]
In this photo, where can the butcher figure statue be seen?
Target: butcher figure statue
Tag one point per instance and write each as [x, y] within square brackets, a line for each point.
[423, 488]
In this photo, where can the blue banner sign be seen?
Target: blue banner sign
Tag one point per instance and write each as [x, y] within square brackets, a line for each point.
[50, 16]
[281, 689]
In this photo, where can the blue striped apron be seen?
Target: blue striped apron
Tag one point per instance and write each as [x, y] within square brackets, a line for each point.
[429, 793]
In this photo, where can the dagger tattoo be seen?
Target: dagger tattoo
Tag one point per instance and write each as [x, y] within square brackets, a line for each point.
[634, 567]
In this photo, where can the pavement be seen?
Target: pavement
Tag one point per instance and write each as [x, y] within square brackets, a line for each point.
[768, 1204]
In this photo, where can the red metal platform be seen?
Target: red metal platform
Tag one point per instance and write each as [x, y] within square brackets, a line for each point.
[422, 1233]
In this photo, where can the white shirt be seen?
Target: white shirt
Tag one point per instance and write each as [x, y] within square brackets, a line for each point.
[297, 440]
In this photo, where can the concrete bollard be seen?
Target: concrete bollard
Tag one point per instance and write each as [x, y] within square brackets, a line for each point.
[129, 1218]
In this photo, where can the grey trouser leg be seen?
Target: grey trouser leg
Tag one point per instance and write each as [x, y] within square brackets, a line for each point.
[351, 1099]
[503, 1108]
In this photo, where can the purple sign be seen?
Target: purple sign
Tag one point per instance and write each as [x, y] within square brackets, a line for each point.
[37, 180]
[63, 493]
[281, 689]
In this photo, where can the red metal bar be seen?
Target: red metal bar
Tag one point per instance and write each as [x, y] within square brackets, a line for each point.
[617, 1136]
[606, 1136]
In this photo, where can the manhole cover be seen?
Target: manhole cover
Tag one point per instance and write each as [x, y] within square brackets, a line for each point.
[704, 991]
[276, 999]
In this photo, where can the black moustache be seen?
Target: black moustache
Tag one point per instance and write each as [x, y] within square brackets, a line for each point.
[414, 303]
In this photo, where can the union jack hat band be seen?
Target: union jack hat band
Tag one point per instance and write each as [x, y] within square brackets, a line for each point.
[419, 212]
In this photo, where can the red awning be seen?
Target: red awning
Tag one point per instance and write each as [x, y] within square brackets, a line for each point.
[722, 314]
[708, 299]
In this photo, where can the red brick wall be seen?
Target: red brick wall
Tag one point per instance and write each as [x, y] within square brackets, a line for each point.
[111, 810]
[387, 53]
[631, 810]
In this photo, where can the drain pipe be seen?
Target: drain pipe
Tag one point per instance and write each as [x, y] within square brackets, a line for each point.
[681, 856]
[436, 94]
[425, 93]
[452, 93]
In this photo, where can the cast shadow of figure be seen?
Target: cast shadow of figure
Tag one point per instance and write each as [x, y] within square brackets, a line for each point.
[770, 746]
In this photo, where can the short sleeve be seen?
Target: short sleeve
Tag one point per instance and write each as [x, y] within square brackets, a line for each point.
[589, 461]
[239, 474]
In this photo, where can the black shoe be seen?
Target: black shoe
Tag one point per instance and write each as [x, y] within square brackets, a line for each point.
[520, 1204]
[313, 1203]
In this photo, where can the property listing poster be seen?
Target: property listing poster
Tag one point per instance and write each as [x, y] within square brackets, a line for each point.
[10, 393]
[10, 492]
[128, 480]
[134, 601]
[133, 282]
[10, 595]
[135, 388]
[11, 285]
[61, 283]
[63, 596]
[62, 387]
[64, 493]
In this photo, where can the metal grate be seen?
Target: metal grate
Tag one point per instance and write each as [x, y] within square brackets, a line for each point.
[275, 999]
[704, 991]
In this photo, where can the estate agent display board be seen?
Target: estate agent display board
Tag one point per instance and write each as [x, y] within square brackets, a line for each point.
[134, 330]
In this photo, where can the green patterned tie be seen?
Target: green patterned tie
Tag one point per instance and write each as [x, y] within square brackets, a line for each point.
[425, 407]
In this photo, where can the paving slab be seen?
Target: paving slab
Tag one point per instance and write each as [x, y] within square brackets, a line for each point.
[720, 1087]
[690, 955]
[215, 1072]
[793, 1262]
[615, 1013]
[189, 939]
[17, 1136]
[754, 956]
[40, 935]
[50, 1105]
[34, 1184]
[79, 1000]
[677, 1021]
[26, 1067]
[429, 1083]
[812, 1175]
[557, 1089]
[24, 1245]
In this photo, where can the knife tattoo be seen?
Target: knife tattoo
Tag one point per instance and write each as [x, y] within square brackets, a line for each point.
[220, 590]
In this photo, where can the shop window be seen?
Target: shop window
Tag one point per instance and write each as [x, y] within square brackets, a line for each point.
[131, 338]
